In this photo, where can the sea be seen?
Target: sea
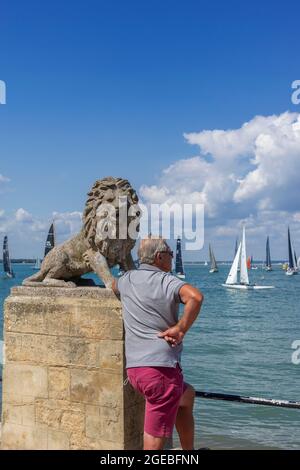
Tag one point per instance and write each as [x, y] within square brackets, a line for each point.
[240, 344]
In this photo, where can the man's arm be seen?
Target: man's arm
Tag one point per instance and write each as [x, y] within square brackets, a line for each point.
[192, 298]
[114, 287]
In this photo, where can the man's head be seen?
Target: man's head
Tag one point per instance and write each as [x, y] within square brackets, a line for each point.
[156, 251]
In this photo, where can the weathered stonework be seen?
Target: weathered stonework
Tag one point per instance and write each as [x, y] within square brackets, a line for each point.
[64, 372]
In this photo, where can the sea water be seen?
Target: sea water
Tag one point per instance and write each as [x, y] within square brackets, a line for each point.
[240, 344]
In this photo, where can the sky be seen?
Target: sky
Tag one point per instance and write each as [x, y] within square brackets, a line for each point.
[190, 100]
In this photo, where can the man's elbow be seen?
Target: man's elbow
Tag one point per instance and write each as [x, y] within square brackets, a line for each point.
[198, 298]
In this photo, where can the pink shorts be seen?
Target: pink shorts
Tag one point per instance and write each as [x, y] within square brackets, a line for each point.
[162, 388]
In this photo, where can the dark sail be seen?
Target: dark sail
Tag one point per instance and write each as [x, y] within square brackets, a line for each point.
[178, 264]
[291, 256]
[50, 242]
[295, 256]
[268, 255]
[213, 263]
[6, 260]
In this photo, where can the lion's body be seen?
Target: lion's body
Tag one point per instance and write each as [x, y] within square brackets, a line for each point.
[87, 251]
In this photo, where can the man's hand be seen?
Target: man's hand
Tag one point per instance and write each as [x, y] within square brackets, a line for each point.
[192, 298]
[173, 335]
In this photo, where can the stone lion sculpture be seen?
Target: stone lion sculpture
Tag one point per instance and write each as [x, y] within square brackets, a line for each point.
[99, 245]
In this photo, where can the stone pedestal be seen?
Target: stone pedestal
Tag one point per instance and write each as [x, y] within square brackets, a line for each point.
[64, 372]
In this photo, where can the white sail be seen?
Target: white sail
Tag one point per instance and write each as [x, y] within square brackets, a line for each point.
[244, 279]
[232, 276]
[241, 256]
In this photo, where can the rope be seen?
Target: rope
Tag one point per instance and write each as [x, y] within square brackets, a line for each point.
[251, 400]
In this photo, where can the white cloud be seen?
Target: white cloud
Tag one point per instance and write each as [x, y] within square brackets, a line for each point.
[4, 179]
[28, 233]
[297, 217]
[23, 216]
[276, 158]
[257, 164]
[67, 223]
[250, 173]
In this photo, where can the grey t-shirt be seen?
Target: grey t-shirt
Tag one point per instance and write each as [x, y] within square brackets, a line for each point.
[150, 301]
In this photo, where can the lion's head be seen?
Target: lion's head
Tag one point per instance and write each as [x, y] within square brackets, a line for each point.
[102, 214]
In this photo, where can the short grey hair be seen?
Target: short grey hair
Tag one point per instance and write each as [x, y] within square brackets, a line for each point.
[149, 247]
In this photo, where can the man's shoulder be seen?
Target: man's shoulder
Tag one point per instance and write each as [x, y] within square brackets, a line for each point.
[172, 285]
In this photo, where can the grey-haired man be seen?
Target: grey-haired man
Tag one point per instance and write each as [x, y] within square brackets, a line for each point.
[150, 299]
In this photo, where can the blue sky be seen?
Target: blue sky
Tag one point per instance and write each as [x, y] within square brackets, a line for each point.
[97, 88]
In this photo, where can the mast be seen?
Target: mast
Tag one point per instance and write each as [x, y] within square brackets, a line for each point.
[268, 254]
[244, 279]
[50, 242]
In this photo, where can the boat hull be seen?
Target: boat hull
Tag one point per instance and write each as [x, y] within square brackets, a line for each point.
[9, 276]
[291, 272]
[245, 287]
[181, 276]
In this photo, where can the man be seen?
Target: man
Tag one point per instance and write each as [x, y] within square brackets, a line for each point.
[150, 299]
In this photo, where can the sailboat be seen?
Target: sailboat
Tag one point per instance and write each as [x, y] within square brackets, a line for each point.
[213, 263]
[268, 256]
[241, 260]
[37, 264]
[252, 265]
[292, 268]
[179, 271]
[6, 260]
[50, 242]
[249, 262]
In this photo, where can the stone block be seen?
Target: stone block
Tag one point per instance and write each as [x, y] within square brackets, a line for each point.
[59, 382]
[109, 383]
[112, 421]
[20, 380]
[111, 356]
[85, 386]
[23, 316]
[93, 422]
[97, 322]
[58, 440]
[17, 437]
